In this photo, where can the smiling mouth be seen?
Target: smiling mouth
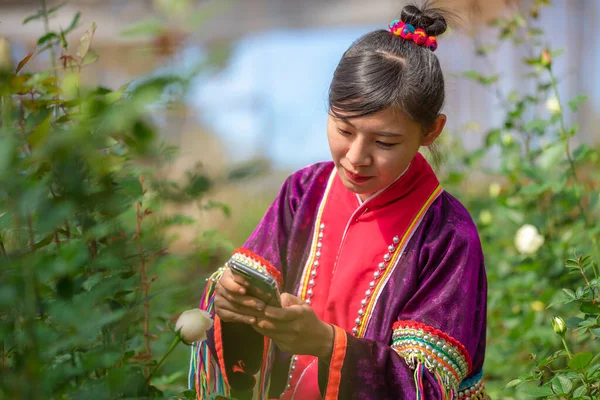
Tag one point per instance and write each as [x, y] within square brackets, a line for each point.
[356, 178]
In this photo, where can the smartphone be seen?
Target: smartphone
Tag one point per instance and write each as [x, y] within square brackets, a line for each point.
[264, 283]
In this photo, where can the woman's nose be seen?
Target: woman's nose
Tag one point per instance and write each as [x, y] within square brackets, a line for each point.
[358, 153]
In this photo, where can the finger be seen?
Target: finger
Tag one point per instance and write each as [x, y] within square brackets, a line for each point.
[290, 300]
[229, 316]
[238, 303]
[228, 282]
[284, 314]
[240, 280]
[271, 334]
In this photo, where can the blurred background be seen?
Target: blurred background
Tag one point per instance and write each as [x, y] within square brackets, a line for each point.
[266, 102]
[259, 103]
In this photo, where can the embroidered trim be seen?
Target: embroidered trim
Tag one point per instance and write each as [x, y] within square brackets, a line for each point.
[376, 291]
[340, 342]
[472, 388]
[315, 245]
[258, 263]
[441, 354]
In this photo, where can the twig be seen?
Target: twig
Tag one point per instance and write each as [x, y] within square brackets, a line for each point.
[143, 273]
[30, 230]
[563, 128]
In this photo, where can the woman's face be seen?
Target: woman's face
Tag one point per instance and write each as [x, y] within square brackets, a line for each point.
[371, 152]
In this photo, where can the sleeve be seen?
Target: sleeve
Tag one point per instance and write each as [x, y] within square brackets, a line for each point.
[235, 360]
[436, 346]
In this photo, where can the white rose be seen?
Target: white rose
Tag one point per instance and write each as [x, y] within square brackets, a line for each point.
[553, 105]
[528, 240]
[193, 325]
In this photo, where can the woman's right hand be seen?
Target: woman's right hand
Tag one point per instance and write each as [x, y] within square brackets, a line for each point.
[232, 302]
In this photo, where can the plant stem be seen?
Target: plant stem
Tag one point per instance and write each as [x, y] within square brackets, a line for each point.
[171, 348]
[46, 31]
[566, 347]
[565, 137]
[143, 273]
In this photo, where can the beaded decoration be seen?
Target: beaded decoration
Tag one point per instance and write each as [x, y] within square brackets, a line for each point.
[258, 263]
[423, 346]
[418, 35]
[472, 388]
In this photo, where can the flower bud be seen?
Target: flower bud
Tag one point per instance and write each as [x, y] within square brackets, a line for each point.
[559, 325]
[6, 63]
[192, 325]
[545, 59]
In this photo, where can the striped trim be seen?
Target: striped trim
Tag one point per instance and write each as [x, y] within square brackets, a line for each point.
[340, 342]
[441, 354]
[395, 257]
[472, 388]
[311, 258]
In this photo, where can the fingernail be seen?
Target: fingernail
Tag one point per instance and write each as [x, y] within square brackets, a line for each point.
[242, 290]
[252, 320]
[260, 307]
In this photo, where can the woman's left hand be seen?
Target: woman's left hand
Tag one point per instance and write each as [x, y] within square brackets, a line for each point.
[296, 329]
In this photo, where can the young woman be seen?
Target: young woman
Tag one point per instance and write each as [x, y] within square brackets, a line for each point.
[382, 270]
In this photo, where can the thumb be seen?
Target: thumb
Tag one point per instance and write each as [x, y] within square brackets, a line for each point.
[288, 300]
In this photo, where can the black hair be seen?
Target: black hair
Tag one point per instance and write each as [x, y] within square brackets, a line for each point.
[381, 70]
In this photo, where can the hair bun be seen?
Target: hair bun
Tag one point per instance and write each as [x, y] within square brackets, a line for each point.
[431, 20]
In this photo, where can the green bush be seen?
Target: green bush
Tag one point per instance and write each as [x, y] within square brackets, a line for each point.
[540, 210]
[87, 297]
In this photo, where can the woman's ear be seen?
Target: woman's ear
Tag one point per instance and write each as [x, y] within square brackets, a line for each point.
[436, 129]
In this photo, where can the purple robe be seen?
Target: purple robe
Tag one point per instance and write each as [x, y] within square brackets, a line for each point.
[438, 291]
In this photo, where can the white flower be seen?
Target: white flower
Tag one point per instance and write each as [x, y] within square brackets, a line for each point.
[507, 139]
[193, 324]
[528, 240]
[553, 105]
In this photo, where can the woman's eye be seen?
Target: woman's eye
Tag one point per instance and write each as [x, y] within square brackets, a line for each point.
[385, 145]
[343, 132]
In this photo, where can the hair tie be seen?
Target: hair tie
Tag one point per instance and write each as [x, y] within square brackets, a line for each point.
[408, 32]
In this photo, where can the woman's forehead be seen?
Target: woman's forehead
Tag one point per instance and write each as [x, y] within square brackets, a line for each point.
[385, 120]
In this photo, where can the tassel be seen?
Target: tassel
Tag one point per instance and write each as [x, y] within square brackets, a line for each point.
[420, 391]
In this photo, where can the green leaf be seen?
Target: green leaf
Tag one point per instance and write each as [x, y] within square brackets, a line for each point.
[589, 308]
[514, 382]
[47, 37]
[493, 137]
[85, 41]
[40, 133]
[74, 23]
[580, 391]
[562, 385]
[41, 13]
[580, 361]
[569, 294]
[574, 104]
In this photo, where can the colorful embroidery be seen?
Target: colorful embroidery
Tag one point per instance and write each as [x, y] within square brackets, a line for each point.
[472, 388]
[422, 345]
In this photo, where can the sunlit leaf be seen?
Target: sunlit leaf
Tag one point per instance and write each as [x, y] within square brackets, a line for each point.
[24, 61]
[47, 37]
[577, 101]
[85, 42]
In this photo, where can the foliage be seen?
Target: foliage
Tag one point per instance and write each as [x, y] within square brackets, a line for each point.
[535, 178]
[83, 235]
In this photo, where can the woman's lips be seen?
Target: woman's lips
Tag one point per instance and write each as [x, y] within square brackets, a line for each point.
[356, 178]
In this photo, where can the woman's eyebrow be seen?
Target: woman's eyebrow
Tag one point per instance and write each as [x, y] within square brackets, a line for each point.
[384, 134]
